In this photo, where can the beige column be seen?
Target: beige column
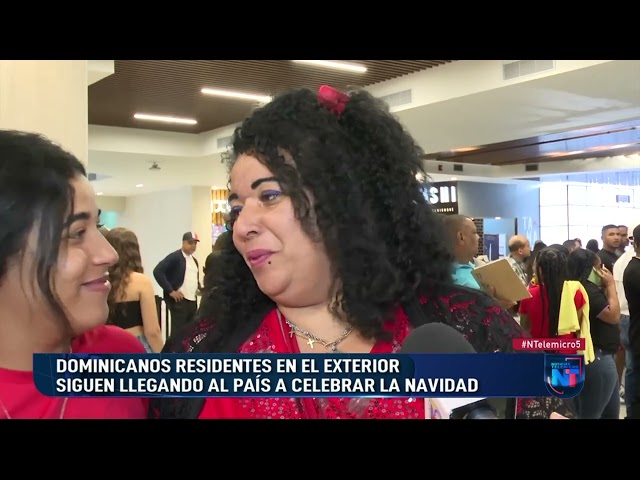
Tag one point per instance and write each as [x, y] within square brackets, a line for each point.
[47, 97]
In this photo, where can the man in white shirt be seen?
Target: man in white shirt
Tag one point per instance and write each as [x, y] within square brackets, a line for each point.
[179, 276]
[624, 239]
[618, 272]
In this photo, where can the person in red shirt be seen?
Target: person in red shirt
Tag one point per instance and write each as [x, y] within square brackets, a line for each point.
[53, 279]
[540, 313]
[335, 248]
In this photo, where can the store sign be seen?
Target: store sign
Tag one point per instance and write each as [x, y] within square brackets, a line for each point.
[443, 197]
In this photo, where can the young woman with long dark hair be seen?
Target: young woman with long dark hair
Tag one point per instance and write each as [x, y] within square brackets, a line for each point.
[54, 278]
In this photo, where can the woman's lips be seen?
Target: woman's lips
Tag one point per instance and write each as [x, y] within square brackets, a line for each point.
[257, 258]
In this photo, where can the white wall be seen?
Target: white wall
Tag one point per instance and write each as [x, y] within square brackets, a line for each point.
[48, 97]
[160, 219]
[111, 204]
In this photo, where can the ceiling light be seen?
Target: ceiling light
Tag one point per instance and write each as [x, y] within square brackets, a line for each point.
[139, 185]
[453, 179]
[622, 145]
[239, 95]
[161, 118]
[351, 67]
[99, 193]
[464, 149]
[564, 154]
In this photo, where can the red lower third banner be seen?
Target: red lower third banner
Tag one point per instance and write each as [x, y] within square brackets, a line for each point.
[541, 344]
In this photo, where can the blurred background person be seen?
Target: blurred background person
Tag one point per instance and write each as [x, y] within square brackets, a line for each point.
[593, 245]
[559, 248]
[519, 252]
[570, 245]
[619, 270]
[132, 301]
[609, 253]
[212, 265]
[214, 272]
[631, 283]
[462, 238]
[556, 307]
[178, 274]
[610, 244]
[537, 247]
[623, 231]
[600, 397]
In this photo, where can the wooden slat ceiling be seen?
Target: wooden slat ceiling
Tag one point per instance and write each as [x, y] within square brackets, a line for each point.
[173, 88]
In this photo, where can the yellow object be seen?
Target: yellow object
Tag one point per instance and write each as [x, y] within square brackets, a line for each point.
[572, 321]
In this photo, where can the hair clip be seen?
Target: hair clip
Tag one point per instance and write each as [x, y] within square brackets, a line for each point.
[332, 99]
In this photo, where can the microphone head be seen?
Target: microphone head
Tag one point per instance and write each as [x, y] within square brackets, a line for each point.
[441, 338]
[436, 338]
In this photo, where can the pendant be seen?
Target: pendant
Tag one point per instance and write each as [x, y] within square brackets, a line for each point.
[334, 348]
[310, 342]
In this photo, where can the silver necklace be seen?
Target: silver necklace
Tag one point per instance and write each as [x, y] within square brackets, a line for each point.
[62, 408]
[311, 338]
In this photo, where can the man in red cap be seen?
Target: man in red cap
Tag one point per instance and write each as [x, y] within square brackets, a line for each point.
[178, 274]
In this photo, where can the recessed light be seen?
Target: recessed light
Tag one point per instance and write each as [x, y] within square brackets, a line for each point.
[139, 185]
[165, 119]
[238, 95]
[351, 67]
[464, 149]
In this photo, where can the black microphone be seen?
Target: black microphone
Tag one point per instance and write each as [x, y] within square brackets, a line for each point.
[441, 338]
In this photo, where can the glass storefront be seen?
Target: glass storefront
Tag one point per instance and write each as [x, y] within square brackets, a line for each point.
[579, 205]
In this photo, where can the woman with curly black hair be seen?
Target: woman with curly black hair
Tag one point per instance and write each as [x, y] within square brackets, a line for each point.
[540, 314]
[335, 249]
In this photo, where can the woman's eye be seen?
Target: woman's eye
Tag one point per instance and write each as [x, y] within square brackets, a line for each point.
[269, 195]
[77, 234]
[265, 197]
